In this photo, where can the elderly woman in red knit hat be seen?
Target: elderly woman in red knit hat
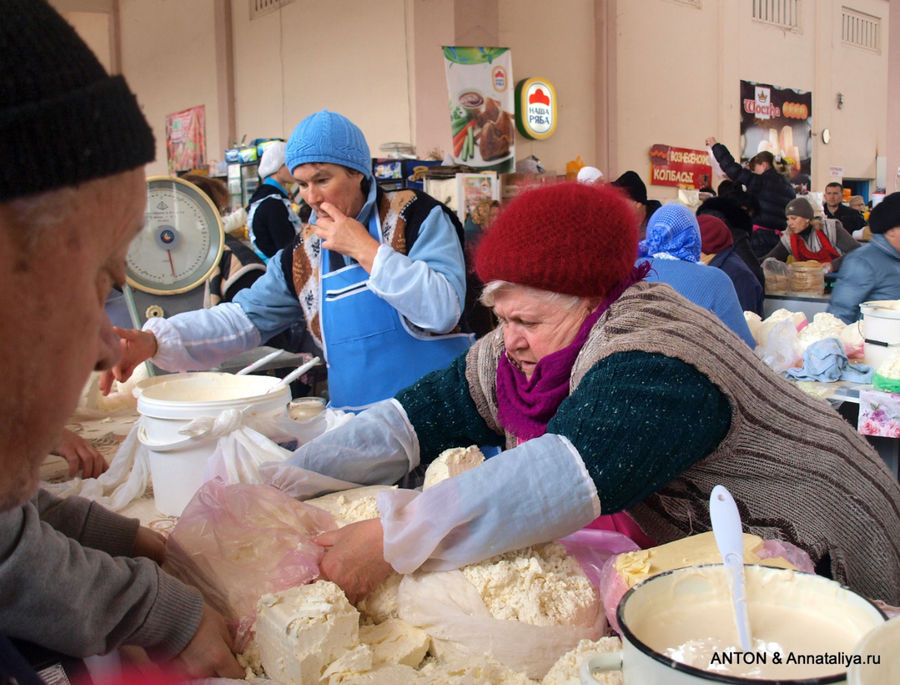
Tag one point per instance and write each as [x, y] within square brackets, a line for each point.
[609, 395]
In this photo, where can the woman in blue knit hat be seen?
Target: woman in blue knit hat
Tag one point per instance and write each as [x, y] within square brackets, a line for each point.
[379, 279]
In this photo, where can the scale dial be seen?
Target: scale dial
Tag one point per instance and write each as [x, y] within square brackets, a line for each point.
[181, 241]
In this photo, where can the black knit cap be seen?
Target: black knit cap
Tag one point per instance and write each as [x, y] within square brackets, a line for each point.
[632, 184]
[886, 214]
[63, 119]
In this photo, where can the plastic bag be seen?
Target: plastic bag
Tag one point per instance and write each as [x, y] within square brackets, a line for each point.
[449, 608]
[777, 276]
[591, 547]
[237, 542]
[778, 346]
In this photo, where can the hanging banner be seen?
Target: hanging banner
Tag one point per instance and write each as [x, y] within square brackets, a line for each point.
[482, 106]
[680, 167]
[186, 139]
[778, 120]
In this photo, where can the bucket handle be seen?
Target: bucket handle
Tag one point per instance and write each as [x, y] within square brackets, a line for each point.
[167, 447]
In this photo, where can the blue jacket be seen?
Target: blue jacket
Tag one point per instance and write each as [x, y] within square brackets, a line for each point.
[705, 286]
[870, 273]
[749, 290]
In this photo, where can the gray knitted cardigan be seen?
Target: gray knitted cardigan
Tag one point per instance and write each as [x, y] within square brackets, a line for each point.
[798, 471]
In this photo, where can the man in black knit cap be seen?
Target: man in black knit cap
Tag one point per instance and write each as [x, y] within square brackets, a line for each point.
[75, 579]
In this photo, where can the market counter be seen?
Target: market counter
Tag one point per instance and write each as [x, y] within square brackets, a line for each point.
[808, 304]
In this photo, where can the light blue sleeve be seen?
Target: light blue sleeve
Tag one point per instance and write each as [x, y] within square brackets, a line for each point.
[496, 507]
[269, 303]
[427, 287]
[855, 280]
[728, 308]
[201, 339]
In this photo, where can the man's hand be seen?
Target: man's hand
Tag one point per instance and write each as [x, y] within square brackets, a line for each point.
[354, 558]
[346, 235]
[710, 141]
[151, 544]
[137, 347]
[209, 653]
[81, 455]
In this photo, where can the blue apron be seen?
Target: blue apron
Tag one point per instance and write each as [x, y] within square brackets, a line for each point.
[371, 351]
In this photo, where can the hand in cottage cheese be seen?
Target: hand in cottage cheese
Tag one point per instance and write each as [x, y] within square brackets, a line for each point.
[354, 558]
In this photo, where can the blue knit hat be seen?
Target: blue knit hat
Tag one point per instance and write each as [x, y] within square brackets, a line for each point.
[672, 230]
[330, 138]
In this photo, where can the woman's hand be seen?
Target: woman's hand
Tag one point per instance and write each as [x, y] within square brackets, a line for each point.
[354, 558]
[137, 346]
[710, 141]
[81, 455]
[346, 235]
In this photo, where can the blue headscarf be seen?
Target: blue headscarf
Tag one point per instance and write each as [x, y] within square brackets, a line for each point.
[672, 233]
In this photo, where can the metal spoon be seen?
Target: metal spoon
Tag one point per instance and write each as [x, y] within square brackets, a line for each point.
[726, 525]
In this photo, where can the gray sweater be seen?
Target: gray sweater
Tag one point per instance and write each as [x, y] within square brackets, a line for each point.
[66, 584]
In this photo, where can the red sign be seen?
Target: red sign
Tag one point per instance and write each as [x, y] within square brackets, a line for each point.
[679, 166]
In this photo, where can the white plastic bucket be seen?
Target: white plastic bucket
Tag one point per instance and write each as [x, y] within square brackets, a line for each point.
[880, 329]
[168, 403]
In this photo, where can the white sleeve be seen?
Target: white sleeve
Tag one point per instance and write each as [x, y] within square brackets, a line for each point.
[376, 447]
[202, 338]
[537, 492]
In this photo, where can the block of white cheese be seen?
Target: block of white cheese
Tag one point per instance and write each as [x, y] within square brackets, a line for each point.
[301, 630]
[451, 463]
[396, 642]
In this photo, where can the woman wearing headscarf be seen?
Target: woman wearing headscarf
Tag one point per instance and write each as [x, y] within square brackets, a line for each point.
[812, 238]
[610, 395]
[717, 250]
[672, 249]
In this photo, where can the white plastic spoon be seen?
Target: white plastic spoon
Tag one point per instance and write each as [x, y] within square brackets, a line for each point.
[296, 373]
[726, 525]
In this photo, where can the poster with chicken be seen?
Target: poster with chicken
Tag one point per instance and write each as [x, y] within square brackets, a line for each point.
[481, 105]
[186, 139]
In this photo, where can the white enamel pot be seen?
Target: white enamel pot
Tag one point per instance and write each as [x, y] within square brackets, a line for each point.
[688, 587]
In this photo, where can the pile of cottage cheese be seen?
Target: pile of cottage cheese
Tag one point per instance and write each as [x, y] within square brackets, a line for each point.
[312, 634]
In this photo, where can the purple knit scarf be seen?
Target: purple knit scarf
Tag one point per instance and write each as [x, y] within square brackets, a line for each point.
[524, 407]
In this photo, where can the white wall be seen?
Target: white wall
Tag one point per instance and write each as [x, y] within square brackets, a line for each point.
[342, 55]
[169, 59]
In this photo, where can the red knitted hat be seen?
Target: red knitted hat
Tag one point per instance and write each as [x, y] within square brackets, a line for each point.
[714, 234]
[568, 238]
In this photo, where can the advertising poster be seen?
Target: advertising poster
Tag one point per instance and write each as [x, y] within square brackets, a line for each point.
[778, 120]
[680, 167]
[481, 107]
[186, 139]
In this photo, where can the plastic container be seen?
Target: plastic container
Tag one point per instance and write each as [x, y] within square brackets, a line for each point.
[879, 656]
[168, 403]
[686, 590]
[880, 330]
